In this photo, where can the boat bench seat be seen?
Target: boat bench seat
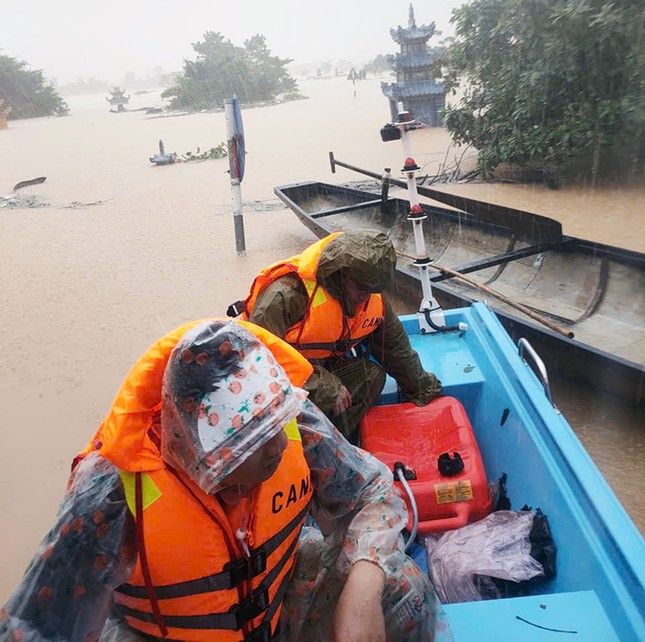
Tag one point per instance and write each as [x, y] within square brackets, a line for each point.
[454, 367]
[577, 615]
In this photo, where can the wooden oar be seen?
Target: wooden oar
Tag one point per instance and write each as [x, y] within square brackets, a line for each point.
[514, 304]
[534, 226]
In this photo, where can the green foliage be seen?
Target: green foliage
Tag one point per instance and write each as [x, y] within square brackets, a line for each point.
[214, 152]
[25, 91]
[378, 65]
[550, 83]
[222, 70]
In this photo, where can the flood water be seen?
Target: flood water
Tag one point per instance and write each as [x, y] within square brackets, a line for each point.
[120, 251]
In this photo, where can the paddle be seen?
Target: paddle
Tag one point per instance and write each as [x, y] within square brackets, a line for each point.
[514, 304]
[532, 225]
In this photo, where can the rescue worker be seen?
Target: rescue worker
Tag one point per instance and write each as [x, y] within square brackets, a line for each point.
[327, 303]
[184, 513]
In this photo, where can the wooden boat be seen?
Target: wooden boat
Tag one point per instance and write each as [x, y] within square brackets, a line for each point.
[598, 592]
[594, 291]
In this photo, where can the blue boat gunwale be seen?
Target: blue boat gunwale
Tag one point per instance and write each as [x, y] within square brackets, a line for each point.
[609, 535]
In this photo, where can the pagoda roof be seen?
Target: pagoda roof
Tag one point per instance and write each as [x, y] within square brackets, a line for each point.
[412, 89]
[401, 35]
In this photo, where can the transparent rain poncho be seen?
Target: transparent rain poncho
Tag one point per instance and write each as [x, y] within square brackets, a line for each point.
[66, 592]
[224, 396]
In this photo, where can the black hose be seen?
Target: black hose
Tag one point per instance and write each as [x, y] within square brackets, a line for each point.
[439, 328]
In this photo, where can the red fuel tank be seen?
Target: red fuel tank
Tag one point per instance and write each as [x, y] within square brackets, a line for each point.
[438, 444]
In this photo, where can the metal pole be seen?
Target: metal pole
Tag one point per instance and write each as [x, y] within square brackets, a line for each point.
[429, 304]
[236, 190]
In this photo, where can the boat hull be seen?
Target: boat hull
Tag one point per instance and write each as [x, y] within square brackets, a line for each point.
[600, 570]
[595, 291]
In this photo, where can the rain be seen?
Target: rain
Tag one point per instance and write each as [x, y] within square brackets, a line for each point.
[113, 248]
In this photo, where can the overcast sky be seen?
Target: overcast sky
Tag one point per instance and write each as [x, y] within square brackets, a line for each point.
[72, 39]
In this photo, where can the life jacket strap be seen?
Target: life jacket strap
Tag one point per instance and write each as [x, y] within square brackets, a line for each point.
[157, 618]
[233, 573]
[275, 571]
[273, 542]
[223, 621]
[233, 620]
[337, 348]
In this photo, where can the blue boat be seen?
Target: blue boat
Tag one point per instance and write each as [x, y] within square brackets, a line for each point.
[599, 588]
[597, 592]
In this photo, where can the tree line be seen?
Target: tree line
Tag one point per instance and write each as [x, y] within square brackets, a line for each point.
[25, 91]
[550, 83]
[545, 83]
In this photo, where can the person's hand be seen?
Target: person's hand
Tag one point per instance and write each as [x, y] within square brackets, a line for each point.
[343, 400]
[359, 614]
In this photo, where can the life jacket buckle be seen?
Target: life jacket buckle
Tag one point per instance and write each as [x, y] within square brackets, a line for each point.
[249, 608]
[261, 599]
[261, 634]
[236, 308]
[258, 562]
[239, 570]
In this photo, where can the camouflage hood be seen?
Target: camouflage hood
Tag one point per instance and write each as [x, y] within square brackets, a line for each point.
[366, 256]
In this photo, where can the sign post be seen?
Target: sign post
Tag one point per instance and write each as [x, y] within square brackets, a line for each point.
[236, 154]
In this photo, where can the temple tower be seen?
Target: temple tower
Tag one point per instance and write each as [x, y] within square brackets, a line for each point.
[415, 85]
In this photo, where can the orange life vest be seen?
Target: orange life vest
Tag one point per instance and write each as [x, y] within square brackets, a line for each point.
[324, 331]
[192, 580]
[204, 586]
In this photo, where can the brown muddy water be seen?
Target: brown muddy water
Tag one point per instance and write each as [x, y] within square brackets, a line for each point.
[119, 251]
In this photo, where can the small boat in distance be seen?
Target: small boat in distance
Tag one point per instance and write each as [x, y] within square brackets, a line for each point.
[594, 291]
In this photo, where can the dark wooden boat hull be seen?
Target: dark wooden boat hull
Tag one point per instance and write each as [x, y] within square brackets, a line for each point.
[595, 290]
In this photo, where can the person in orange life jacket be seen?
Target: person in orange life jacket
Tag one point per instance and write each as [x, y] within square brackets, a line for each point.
[183, 515]
[327, 301]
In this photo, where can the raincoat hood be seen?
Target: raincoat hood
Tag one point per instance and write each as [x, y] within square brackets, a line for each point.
[224, 396]
[366, 256]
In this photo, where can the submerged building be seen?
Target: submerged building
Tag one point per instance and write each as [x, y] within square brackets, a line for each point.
[415, 84]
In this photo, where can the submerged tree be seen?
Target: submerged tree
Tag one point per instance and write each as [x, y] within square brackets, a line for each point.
[223, 69]
[550, 83]
[26, 92]
[378, 65]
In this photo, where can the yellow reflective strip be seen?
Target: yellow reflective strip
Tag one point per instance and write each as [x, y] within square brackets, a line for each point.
[310, 285]
[291, 430]
[319, 297]
[150, 491]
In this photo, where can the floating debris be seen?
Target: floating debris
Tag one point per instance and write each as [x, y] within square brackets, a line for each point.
[32, 181]
[214, 152]
[78, 204]
[22, 202]
[162, 158]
